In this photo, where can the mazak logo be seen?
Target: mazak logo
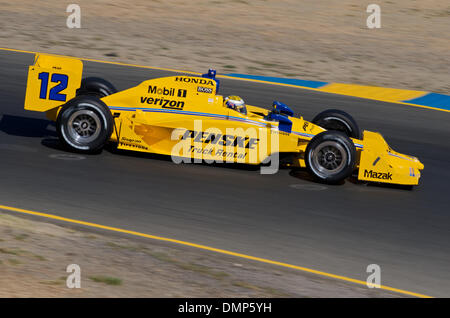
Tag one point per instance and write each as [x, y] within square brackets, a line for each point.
[194, 80]
[377, 175]
[166, 91]
[207, 90]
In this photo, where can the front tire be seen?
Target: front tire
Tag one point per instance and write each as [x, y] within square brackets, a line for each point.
[96, 86]
[330, 157]
[84, 124]
[335, 119]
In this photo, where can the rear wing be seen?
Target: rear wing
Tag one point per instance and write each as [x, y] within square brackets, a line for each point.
[52, 81]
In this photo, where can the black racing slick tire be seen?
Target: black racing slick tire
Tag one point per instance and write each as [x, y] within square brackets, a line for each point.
[96, 86]
[330, 157]
[85, 124]
[335, 119]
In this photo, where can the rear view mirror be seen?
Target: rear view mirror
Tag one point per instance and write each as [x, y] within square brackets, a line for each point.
[280, 108]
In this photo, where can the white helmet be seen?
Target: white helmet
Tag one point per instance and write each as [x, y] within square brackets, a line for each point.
[236, 103]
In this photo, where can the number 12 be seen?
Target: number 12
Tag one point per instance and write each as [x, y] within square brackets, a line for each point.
[55, 94]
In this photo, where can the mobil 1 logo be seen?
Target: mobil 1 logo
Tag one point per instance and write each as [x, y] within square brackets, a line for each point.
[153, 89]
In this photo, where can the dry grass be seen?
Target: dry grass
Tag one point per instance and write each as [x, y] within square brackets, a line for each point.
[120, 267]
[316, 40]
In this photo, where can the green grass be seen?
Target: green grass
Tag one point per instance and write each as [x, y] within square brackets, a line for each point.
[205, 270]
[268, 64]
[127, 247]
[106, 280]
[14, 261]
[39, 257]
[9, 251]
[163, 257]
[21, 237]
[201, 269]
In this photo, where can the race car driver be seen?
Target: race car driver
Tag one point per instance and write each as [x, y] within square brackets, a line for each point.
[236, 103]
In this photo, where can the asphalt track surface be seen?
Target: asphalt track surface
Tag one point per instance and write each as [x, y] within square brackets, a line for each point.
[337, 229]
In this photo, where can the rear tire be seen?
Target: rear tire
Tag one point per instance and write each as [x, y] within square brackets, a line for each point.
[335, 119]
[330, 157]
[96, 86]
[84, 124]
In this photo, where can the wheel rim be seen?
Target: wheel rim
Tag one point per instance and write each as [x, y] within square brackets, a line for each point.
[84, 126]
[328, 158]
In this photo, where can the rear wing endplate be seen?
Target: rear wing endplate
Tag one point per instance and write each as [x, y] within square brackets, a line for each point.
[52, 81]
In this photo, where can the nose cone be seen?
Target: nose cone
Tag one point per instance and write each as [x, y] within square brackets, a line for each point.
[380, 163]
[416, 162]
[420, 165]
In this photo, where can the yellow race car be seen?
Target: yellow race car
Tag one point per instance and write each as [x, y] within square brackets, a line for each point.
[184, 117]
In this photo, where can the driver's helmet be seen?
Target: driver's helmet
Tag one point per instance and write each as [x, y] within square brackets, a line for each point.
[236, 103]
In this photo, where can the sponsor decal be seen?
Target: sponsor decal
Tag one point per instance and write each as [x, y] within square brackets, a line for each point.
[376, 161]
[194, 80]
[221, 140]
[164, 103]
[202, 89]
[124, 144]
[306, 125]
[235, 145]
[127, 142]
[218, 152]
[278, 132]
[182, 93]
[130, 140]
[377, 175]
[166, 91]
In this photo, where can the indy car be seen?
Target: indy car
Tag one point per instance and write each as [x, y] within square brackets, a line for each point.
[185, 117]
